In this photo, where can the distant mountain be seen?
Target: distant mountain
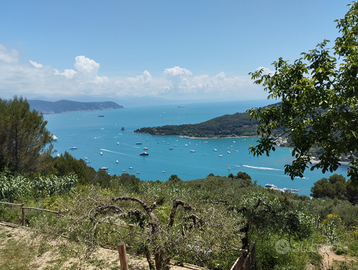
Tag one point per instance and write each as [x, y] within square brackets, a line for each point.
[48, 107]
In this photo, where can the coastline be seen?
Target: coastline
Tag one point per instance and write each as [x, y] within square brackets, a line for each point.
[208, 138]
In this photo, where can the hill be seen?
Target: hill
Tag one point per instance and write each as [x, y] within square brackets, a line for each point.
[238, 124]
[61, 106]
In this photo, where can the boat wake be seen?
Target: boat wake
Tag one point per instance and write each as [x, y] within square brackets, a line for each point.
[261, 168]
[106, 150]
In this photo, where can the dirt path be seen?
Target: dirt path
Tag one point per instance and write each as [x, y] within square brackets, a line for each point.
[328, 257]
[12, 236]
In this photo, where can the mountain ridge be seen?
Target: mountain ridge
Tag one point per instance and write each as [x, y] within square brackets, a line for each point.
[64, 105]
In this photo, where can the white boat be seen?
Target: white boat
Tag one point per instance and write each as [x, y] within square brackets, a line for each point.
[137, 172]
[192, 151]
[73, 148]
[145, 148]
[220, 155]
[116, 161]
[144, 154]
[130, 167]
[101, 153]
[163, 171]
[228, 152]
[54, 138]
[228, 167]
[104, 168]
[215, 150]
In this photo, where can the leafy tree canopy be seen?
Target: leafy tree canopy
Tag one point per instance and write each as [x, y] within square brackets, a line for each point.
[24, 139]
[319, 94]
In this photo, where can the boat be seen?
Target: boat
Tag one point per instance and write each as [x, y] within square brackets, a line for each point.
[123, 128]
[73, 148]
[138, 143]
[228, 152]
[117, 142]
[104, 168]
[163, 171]
[144, 154]
[145, 148]
[116, 161]
[220, 155]
[192, 151]
[137, 172]
[215, 150]
[101, 153]
[130, 167]
[100, 115]
[170, 148]
[228, 167]
[54, 138]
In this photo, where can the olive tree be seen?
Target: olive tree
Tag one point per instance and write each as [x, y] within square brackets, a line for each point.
[319, 94]
[23, 135]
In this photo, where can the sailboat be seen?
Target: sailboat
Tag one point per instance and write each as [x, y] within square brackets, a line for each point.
[228, 167]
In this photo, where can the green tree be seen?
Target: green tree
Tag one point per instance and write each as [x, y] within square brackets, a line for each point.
[319, 94]
[333, 187]
[23, 136]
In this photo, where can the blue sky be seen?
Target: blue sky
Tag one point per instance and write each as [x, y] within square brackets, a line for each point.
[177, 50]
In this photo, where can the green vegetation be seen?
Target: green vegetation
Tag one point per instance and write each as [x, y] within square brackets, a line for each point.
[23, 136]
[319, 103]
[201, 221]
[61, 106]
[238, 124]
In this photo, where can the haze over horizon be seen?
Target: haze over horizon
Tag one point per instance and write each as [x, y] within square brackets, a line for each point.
[152, 50]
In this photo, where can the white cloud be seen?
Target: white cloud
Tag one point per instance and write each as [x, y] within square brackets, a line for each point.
[8, 56]
[177, 71]
[31, 79]
[36, 64]
[68, 73]
[266, 70]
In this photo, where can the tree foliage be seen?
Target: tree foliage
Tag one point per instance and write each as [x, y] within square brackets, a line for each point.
[23, 136]
[335, 187]
[238, 124]
[319, 94]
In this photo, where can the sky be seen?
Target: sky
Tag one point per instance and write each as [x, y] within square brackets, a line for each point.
[188, 50]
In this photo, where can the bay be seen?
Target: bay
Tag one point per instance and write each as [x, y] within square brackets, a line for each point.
[102, 143]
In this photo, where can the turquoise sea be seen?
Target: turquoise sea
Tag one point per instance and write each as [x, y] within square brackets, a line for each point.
[101, 142]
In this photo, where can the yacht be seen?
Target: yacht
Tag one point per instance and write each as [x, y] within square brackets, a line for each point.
[144, 154]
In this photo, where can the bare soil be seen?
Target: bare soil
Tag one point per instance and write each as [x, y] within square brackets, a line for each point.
[102, 258]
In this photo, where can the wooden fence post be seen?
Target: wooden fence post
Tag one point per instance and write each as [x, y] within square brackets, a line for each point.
[122, 256]
[22, 215]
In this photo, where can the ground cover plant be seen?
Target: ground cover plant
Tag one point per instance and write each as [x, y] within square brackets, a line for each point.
[199, 222]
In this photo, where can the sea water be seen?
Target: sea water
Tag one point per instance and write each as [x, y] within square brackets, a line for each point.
[100, 141]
